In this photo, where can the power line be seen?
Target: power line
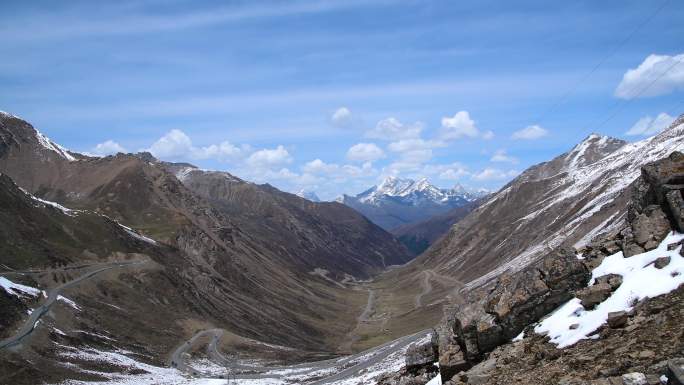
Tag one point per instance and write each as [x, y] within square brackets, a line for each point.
[622, 104]
[565, 96]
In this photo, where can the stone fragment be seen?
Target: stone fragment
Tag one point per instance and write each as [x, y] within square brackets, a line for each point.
[617, 319]
[661, 262]
[594, 294]
[422, 353]
[653, 379]
[634, 378]
[614, 280]
[650, 227]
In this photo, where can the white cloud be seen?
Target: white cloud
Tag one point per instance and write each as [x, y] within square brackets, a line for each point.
[648, 126]
[662, 74]
[393, 129]
[494, 174]
[175, 144]
[269, 157]
[458, 126]
[413, 153]
[530, 133]
[224, 151]
[365, 152]
[336, 172]
[342, 117]
[108, 148]
[502, 156]
[452, 171]
[488, 135]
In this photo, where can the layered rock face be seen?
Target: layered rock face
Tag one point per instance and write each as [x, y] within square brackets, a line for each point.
[496, 313]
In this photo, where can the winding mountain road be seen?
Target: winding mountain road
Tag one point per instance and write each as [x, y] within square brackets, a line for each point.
[52, 296]
[333, 370]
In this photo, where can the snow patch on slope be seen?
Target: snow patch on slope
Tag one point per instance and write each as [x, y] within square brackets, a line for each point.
[641, 279]
[136, 235]
[17, 289]
[52, 146]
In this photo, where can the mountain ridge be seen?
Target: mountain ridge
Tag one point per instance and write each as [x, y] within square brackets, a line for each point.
[396, 201]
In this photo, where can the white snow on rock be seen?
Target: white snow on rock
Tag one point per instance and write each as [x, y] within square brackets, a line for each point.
[17, 289]
[183, 173]
[68, 302]
[435, 381]
[154, 375]
[134, 234]
[65, 210]
[44, 202]
[640, 280]
[52, 146]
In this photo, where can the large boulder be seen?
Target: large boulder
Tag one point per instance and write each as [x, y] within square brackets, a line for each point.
[661, 184]
[594, 294]
[422, 353]
[650, 227]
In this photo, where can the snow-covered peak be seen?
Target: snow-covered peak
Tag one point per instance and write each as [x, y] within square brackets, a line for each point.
[593, 148]
[414, 192]
[5, 114]
[310, 195]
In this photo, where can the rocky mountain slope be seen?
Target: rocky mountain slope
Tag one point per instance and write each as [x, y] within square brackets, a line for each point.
[566, 201]
[245, 258]
[397, 202]
[608, 315]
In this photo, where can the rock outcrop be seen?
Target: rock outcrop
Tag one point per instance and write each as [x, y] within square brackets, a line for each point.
[498, 313]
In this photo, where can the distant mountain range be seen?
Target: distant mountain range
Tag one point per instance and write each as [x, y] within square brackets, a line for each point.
[396, 201]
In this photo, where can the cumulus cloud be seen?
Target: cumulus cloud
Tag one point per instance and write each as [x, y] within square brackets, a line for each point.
[336, 172]
[494, 174]
[648, 126]
[459, 126]
[530, 133]
[269, 157]
[662, 74]
[108, 148]
[413, 153]
[393, 129]
[503, 157]
[451, 171]
[177, 145]
[342, 117]
[487, 135]
[225, 151]
[365, 152]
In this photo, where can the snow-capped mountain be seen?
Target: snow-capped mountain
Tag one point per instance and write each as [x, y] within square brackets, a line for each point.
[309, 195]
[398, 201]
[566, 201]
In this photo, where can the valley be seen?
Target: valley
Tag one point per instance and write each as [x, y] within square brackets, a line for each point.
[142, 270]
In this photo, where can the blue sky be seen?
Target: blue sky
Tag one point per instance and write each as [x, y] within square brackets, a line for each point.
[331, 96]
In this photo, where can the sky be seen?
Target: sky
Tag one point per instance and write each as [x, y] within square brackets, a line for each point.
[332, 96]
